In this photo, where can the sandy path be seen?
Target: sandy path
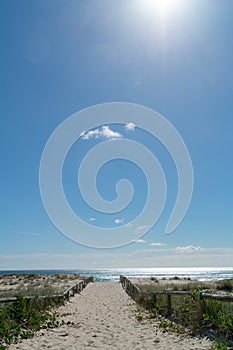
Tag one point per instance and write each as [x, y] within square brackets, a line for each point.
[103, 318]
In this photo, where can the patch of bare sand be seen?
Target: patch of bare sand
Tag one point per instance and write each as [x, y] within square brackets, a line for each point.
[103, 317]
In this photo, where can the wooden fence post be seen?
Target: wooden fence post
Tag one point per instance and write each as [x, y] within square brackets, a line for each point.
[169, 305]
[154, 299]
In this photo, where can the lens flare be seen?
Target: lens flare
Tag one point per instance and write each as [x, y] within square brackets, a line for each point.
[162, 7]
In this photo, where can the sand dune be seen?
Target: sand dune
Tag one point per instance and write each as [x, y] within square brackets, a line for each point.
[103, 317]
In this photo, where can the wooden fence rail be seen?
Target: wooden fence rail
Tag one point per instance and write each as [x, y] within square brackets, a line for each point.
[70, 292]
[217, 297]
[129, 287]
[169, 297]
[134, 292]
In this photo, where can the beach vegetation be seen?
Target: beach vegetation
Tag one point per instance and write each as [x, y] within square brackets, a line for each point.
[23, 318]
[194, 314]
[225, 285]
[139, 317]
[34, 308]
[154, 279]
[35, 285]
[139, 314]
[219, 345]
[182, 285]
[32, 291]
[164, 324]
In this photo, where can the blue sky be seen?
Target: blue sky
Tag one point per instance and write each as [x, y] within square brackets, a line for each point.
[59, 57]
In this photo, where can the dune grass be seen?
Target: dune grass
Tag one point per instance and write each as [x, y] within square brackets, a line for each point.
[35, 285]
[32, 291]
[188, 311]
[24, 317]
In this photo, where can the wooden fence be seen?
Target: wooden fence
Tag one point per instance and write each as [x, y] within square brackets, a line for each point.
[70, 292]
[134, 292]
[217, 297]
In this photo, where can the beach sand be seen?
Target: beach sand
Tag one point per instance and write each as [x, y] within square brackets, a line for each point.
[103, 317]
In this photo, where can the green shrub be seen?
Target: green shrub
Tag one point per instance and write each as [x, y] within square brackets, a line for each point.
[154, 279]
[219, 345]
[225, 285]
[189, 311]
[22, 318]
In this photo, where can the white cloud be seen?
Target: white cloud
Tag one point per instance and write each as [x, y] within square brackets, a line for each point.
[157, 244]
[103, 132]
[139, 241]
[82, 134]
[109, 134]
[29, 233]
[118, 221]
[188, 249]
[92, 219]
[141, 228]
[163, 257]
[130, 126]
[24, 256]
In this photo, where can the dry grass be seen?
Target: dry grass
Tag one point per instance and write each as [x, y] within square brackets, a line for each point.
[188, 311]
[175, 285]
[35, 285]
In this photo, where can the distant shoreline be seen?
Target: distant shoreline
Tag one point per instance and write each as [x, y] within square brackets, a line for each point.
[112, 274]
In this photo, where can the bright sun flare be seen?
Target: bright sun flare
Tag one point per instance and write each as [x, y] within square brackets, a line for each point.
[163, 7]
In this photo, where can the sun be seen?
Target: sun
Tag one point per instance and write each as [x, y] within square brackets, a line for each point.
[162, 7]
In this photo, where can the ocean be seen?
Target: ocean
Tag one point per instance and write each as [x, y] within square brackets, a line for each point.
[112, 275]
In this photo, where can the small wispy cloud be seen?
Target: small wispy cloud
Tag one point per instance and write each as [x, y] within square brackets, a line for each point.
[140, 228]
[188, 249]
[103, 132]
[130, 126]
[92, 219]
[139, 241]
[157, 244]
[118, 221]
[28, 233]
